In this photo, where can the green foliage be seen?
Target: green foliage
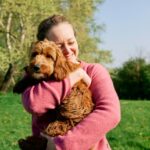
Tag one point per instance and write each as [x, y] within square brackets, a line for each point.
[19, 20]
[145, 73]
[18, 24]
[132, 81]
[133, 132]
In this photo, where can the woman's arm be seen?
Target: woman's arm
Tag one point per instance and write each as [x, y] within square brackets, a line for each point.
[47, 95]
[105, 116]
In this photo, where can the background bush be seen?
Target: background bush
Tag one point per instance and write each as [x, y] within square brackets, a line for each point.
[132, 80]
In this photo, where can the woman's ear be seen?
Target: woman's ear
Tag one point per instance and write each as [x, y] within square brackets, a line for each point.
[61, 69]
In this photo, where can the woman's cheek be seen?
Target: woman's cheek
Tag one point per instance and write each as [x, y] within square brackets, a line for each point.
[75, 51]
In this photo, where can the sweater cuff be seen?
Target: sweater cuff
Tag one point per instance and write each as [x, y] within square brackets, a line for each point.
[58, 143]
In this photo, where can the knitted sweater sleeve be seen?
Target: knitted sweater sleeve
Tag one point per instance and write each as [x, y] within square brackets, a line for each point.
[106, 114]
[45, 95]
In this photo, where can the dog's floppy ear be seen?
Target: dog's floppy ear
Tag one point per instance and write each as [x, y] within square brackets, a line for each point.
[62, 66]
[61, 69]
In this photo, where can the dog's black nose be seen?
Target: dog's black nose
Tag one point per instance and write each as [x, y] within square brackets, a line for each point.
[36, 68]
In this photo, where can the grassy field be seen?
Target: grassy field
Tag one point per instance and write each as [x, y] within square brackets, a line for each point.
[133, 133]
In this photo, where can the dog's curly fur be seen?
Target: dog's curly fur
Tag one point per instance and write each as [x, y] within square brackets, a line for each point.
[47, 62]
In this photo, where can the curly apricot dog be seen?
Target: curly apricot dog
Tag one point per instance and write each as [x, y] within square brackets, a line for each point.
[48, 63]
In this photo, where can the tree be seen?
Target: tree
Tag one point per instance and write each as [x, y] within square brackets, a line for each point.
[145, 73]
[18, 26]
[132, 81]
[17, 23]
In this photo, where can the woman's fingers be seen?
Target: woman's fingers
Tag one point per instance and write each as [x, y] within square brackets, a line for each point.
[77, 75]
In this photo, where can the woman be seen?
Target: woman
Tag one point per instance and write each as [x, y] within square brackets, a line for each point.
[91, 131]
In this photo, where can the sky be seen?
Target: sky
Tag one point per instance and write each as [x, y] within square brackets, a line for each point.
[126, 29]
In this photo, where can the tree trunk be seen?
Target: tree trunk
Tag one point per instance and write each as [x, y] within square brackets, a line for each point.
[22, 31]
[7, 79]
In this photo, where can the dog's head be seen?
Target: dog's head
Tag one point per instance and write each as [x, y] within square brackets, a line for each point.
[47, 59]
[42, 58]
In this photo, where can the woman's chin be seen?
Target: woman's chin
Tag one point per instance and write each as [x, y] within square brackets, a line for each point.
[72, 59]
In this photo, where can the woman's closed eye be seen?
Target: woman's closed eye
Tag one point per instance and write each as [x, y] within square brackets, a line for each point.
[60, 45]
[71, 43]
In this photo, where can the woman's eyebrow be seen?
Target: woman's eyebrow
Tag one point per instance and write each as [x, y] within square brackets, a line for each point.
[70, 39]
[58, 42]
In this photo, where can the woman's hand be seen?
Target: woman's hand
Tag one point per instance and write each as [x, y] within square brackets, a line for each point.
[50, 143]
[78, 75]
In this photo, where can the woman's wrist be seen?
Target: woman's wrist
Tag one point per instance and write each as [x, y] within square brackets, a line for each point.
[75, 76]
[78, 75]
[86, 78]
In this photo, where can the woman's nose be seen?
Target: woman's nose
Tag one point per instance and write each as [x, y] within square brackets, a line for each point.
[66, 49]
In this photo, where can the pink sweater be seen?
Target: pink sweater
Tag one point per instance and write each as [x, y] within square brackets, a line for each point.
[91, 131]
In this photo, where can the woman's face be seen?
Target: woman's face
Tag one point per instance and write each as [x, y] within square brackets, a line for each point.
[63, 35]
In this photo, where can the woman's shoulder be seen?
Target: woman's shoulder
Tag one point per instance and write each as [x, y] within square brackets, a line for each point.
[93, 67]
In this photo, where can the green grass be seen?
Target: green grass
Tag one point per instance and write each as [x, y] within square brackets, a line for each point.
[14, 122]
[133, 133]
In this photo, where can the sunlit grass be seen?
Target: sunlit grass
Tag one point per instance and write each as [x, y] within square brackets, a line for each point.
[133, 133]
[14, 122]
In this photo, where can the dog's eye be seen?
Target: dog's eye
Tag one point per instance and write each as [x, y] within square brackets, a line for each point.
[34, 54]
[49, 56]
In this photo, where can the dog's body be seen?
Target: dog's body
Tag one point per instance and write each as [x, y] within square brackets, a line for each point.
[48, 63]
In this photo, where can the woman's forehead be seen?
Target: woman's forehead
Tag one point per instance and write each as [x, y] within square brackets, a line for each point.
[63, 31]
